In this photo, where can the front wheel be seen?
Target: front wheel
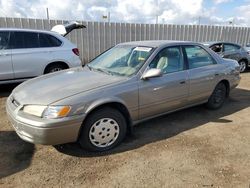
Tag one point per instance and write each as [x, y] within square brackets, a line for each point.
[103, 130]
[218, 97]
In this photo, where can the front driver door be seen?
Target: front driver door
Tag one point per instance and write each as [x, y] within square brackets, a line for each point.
[168, 92]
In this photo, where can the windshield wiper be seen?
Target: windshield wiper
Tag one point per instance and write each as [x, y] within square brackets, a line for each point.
[90, 68]
[102, 70]
[105, 71]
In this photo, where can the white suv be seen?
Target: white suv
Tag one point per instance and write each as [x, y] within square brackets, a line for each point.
[28, 53]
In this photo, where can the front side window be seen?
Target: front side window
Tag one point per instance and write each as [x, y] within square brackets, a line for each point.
[4, 40]
[198, 57]
[24, 40]
[121, 60]
[230, 48]
[168, 60]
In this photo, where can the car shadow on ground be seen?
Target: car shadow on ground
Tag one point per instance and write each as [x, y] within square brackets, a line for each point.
[5, 90]
[167, 126]
[15, 154]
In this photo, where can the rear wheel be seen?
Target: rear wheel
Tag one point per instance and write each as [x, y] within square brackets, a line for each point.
[218, 97]
[243, 65]
[103, 130]
[54, 68]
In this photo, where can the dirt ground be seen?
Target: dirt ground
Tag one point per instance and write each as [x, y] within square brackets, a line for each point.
[191, 148]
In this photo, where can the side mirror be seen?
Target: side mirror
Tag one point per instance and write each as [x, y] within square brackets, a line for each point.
[151, 73]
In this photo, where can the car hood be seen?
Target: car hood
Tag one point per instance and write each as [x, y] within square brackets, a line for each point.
[53, 87]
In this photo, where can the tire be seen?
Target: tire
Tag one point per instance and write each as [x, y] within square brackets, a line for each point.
[103, 130]
[243, 66]
[54, 68]
[218, 97]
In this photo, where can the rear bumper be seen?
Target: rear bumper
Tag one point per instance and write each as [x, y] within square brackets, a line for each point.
[52, 132]
[75, 62]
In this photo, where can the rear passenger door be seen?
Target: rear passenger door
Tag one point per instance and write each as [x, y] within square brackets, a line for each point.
[26, 56]
[203, 73]
[32, 51]
[232, 51]
[6, 71]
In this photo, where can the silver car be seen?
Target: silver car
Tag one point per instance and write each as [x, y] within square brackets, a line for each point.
[97, 104]
[26, 53]
[231, 51]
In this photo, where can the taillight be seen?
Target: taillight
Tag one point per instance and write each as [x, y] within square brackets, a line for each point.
[76, 51]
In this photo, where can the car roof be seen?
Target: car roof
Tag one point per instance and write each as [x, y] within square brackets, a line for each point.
[27, 30]
[157, 43]
[210, 43]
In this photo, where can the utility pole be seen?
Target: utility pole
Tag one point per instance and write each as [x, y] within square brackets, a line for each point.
[47, 11]
[232, 22]
[157, 8]
[109, 16]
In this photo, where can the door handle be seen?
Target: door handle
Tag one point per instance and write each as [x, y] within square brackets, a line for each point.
[183, 82]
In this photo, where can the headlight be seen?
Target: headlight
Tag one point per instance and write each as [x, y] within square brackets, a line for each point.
[53, 112]
[36, 110]
[49, 112]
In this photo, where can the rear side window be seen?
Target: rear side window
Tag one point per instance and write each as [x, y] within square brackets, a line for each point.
[46, 40]
[231, 47]
[4, 40]
[198, 57]
[24, 40]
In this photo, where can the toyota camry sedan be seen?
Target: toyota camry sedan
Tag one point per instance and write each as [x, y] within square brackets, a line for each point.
[96, 105]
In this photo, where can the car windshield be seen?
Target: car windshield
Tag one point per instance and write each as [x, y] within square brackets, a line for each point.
[121, 60]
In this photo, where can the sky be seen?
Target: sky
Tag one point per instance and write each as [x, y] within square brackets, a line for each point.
[211, 12]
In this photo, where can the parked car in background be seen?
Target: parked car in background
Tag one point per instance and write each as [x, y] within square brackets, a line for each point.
[131, 82]
[26, 53]
[231, 51]
[247, 48]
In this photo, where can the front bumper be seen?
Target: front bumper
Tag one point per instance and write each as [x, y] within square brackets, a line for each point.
[235, 82]
[43, 131]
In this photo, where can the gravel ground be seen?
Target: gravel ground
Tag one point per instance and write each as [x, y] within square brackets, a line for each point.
[195, 147]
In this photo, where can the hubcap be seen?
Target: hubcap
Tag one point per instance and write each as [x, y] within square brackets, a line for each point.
[218, 98]
[242, 66]
[56, 69]
[104, 132]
